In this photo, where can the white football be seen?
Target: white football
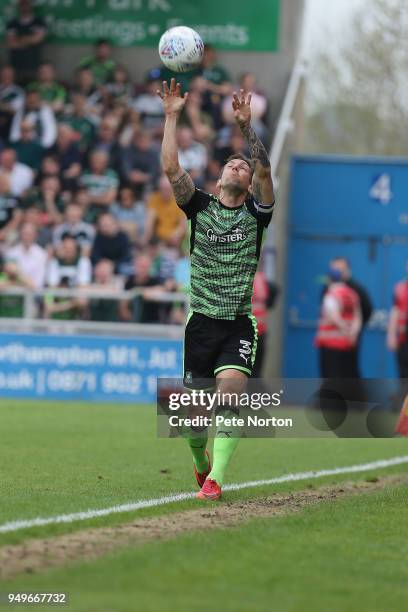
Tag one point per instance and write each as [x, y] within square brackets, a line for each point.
[181, 49]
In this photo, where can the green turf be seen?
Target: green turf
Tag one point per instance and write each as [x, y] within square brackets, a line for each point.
[63, 457]
[343, 556]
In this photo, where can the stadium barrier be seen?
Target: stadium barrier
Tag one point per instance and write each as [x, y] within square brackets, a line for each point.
[87, 360]
[31, 296]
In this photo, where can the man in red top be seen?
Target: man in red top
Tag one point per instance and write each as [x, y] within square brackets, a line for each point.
[397, 337]
[397, 340]
[339, 327]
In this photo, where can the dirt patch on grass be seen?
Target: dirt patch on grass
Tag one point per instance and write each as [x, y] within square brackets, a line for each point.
[41, 554]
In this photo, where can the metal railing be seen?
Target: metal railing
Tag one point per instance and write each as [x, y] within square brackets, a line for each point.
[30, 323]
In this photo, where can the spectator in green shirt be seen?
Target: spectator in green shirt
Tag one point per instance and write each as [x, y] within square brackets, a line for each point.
[101, 63]
[101, 184]
[61, 308]
[50, 91]
[101, 309]
[119, 88]
[47, 199]
[81, 122]
[217, 79]
[12, 306]
[28, 148]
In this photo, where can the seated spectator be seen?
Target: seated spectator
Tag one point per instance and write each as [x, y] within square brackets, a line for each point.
[164, 264]
[259, 107]
[25, 35]
[35, 217]
[199, 121]
[120, 112]
[216, 77]
[19, 175]
[74, 227]
[67, 152]
[101, 63]
[104, 280]
[259, 101]
[118, 89]
[182, 273]
[101, 184]
[50, 166]
[41, 117]
[213, 83]
[12, 306]
[62, 308]
[139, 309]
[107, 140]
[51, 92]
[29, 151]
[149, 105]
[130, 214]
[182, 284]
[230, 142]
[111, 243]
[184, 78]
[192, 154]
[85, 86]
[140, 163]
[81, 122]
[131, 126]
[10, 213]
[30, 258]
[11, 99]
[69, 264]
[165, 220]
[47, 199]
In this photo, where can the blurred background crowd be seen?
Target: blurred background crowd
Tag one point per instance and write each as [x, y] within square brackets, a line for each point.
[83, 201]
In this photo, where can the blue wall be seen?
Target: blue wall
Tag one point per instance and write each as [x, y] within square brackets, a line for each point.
[352, 207]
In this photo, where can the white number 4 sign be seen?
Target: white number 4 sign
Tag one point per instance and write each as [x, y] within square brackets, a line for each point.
[381, 189]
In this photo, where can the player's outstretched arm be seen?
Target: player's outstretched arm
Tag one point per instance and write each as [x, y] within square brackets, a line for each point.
[262, 184]
[181, 181]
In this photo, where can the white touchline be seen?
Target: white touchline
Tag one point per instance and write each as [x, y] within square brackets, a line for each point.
[170, 499]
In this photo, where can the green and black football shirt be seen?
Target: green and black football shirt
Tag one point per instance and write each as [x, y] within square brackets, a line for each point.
[225, 245]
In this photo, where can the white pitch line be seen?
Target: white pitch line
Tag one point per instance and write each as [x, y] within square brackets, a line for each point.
[170, 499]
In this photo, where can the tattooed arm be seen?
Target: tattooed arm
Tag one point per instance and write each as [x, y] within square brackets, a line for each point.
[181, 181]
[262, 184]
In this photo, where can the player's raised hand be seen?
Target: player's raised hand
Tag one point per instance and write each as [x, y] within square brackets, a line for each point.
[173, 100]
[241, 105]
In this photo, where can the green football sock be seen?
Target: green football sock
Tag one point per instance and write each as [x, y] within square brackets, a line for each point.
[225, 442]
[198, 447]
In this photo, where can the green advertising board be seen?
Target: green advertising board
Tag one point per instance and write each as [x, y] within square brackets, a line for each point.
[227, 24]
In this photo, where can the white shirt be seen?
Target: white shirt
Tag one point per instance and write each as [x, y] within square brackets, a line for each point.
[32, 262]
[44, 116]
[77, 273]
[21, 178]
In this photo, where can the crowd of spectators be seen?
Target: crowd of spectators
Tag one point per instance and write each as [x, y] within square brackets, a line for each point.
[83, 201]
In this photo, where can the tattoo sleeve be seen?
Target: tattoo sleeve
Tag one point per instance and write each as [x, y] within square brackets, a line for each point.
[183, 188]
[258, 151]
[262, 185]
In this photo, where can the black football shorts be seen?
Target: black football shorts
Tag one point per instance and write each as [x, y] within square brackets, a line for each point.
[213, 345]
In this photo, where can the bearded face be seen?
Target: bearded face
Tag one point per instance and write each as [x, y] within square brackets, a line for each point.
[236, 177]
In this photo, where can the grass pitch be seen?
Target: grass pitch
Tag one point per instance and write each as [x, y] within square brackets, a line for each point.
[347, 554]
